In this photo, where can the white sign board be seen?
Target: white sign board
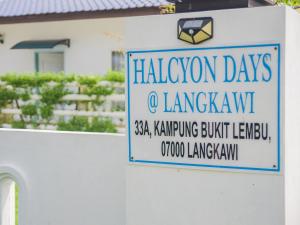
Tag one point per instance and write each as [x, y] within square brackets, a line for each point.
[215, 107]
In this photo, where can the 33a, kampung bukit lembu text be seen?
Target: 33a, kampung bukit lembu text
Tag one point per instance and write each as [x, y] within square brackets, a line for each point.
[203, 129]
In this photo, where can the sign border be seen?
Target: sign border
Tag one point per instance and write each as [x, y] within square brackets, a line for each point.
[132, 160]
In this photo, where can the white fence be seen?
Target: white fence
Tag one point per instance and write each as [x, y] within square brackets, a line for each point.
[73, 104]
[118, 117]
[65, 178]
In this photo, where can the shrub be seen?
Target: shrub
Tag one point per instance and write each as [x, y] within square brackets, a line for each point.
[102, 125]
[78, 123]
[99, 91]
[6, 96]
[288, 2]
[115, 76]
[46, 112]
[18, 124]
[88, 80]
[29, 110]
[52, 95]
[19, 80]
[17, 90]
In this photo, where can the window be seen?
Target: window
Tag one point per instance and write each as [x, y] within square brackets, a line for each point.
[49, 62]
[117, 60]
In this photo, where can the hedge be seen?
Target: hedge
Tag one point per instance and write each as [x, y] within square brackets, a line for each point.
[37, 95]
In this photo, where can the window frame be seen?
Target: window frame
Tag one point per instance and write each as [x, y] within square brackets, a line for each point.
[121, 55]
[37, 58]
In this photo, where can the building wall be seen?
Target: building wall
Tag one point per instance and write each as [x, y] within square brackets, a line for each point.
[92, 42]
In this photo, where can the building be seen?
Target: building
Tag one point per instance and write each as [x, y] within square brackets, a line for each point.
[75, 36]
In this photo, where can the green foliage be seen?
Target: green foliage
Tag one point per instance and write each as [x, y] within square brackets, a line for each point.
[49, 90]
[17, 191]
[43, 78]
[18, 124]
[52, 95]
[29, 110]
[25, 96]
[78, 123]
[102, 125]
[46, 112]
[99, 90]
[288, 2]
[6, 96]
[88, 80]
[19, 80]
[115, 76]
[35, 80]
[38, 79]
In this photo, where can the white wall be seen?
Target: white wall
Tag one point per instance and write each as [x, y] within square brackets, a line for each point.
[66, 178]
[92, 42]
[169, 196]
[292, 119]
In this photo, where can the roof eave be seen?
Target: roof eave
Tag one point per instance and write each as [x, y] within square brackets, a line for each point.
[80, 15]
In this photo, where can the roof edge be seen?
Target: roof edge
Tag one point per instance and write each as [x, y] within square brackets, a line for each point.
[143, 11]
